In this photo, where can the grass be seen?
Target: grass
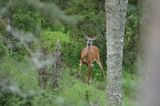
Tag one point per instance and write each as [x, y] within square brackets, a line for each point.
[72, 91]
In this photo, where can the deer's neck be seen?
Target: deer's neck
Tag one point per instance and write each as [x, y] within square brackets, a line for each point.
[89, 46]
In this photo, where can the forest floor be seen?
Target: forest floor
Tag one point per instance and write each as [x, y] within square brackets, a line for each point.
[71, 91]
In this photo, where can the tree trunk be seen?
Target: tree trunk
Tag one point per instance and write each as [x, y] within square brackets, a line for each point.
[115, 28]
[150, 28]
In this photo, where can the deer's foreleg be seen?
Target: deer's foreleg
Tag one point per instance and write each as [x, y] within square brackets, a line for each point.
[89, 75]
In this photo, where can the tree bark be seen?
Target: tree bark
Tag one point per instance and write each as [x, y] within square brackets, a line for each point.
[150, 27]
[115, 28]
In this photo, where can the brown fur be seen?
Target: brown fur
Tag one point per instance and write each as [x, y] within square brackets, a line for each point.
[88, 56]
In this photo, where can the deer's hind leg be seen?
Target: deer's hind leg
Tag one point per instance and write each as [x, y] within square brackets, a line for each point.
[100, 65]
[89, 74]
[99, 62]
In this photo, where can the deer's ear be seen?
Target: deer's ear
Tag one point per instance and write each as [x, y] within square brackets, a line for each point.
[94, 38]
[86, 37]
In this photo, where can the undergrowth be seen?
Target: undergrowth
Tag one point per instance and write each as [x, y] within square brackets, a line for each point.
[71, 92]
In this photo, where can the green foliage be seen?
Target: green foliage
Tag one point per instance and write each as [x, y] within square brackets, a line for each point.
[71, 91]
[70, 48]
[74, 92]
[22, 72]
[57, 26]
[25, 19]
[10, 100]
[131, 37]
[128, 102]
[49, 39]
[129, 84]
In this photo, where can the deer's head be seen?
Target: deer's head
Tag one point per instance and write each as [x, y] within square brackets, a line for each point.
[90, 40]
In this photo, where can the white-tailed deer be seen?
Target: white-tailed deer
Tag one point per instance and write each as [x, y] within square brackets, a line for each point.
[89, 55]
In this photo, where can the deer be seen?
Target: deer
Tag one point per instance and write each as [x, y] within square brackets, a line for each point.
[88, 56]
